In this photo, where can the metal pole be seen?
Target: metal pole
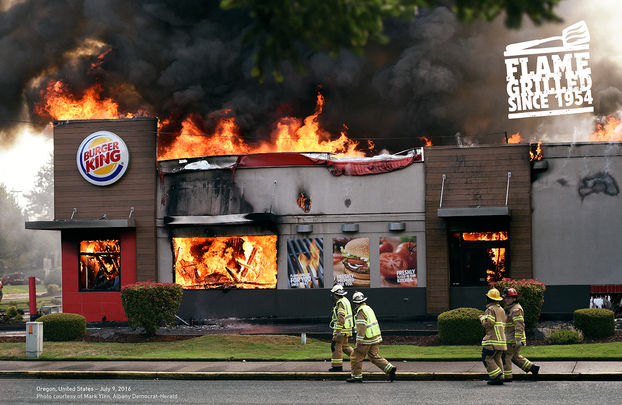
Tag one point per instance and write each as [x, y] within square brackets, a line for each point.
[507, 190]
[442, 190]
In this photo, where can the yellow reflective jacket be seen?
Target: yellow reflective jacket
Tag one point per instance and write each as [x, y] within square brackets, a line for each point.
[515, 324]
[342, 320]
[493, 322]
[367, 327]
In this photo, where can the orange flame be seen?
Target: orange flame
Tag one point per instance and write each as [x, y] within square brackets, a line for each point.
[515, 138]
[535, 151]
[611, 131]
[58, 103]
[497, 257]
[290, 135]
[426, 141]
[99, 263]
[226, 262]
[484, 236]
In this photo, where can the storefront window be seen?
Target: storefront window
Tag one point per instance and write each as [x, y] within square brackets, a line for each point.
[100, 268]
[245, 262]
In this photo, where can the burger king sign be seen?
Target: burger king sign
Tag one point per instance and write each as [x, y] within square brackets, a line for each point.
[102, 158]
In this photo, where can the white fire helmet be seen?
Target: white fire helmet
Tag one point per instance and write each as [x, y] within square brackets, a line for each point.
[338, 290]
[358, 297]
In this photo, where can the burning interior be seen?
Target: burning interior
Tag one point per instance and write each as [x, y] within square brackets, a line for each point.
[478, 258]
[244, 262]
[100, 268]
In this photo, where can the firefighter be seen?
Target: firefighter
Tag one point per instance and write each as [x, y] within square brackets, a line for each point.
[368, 339]
[515, 336]
[341, 323]
[493, 344]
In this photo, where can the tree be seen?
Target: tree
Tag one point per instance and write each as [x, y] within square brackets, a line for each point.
[285, 29]
[41, 197]
[13, 237]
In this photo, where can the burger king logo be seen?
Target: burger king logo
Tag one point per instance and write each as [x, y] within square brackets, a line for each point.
[102, 158]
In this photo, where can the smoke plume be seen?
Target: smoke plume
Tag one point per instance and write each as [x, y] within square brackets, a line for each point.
[436, 78]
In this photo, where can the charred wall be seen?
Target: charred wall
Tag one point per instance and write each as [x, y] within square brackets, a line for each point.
[137, 188]
[475, 177]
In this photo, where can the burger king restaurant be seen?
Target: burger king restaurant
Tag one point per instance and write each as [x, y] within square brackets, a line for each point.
[267, 235]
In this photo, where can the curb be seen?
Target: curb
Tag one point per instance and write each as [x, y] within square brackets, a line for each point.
[318, 376]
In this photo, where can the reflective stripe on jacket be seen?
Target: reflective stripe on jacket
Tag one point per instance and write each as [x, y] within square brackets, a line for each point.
[342, 321]
[515, 324]
[367, 327]
[493, 322]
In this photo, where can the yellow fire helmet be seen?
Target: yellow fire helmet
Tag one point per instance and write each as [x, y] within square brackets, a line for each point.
[494, 294]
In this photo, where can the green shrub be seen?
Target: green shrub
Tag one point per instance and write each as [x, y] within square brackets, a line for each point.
[530, 296]
[460, 326]
[564, 337]
[151, 305]
[62, 327]
[11, 312]
[595, 322]
[53, 289]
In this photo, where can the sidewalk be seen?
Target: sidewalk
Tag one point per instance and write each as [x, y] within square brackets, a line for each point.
[295, 370]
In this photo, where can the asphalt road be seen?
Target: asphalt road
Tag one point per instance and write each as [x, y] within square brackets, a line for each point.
[43, 391]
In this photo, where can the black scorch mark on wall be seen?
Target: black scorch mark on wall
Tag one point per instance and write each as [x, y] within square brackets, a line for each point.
[601, 182]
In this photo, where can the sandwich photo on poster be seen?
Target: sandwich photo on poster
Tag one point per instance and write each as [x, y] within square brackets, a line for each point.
[351, 261]
[398, 261]
[304, 263]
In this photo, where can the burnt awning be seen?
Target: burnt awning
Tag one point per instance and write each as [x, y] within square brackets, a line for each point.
[473, 212]
[230, 219]
[62, 224]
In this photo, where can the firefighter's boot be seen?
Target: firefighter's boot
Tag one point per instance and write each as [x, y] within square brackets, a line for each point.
[334, 369]
[392, 374]
[534, 369]
[496, 381]
[355, 380]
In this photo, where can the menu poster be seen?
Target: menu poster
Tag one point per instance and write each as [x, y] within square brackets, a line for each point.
[398, 261]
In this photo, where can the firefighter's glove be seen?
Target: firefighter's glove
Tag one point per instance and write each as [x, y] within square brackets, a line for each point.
[338, 335]
[519, 342]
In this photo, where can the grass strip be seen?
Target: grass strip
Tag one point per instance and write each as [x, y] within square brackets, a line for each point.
[283, 348]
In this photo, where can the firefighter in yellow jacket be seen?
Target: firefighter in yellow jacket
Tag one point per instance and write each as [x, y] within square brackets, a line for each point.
[341, 323]
[515, 336]
[368, 339]
[493, 344]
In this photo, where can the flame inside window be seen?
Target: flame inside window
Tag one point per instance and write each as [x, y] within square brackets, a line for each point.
[100, 265]
[226, 262]
[478, 258]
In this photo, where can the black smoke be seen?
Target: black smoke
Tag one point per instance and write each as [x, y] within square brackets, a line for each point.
[436, 78]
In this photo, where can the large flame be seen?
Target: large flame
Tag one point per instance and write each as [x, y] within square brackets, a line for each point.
[290, 135]
[610, 131]
[226, 262]
[515, 138]
[99, 263]
[59, 103]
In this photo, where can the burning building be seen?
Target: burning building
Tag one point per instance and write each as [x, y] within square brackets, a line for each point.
[265, 235]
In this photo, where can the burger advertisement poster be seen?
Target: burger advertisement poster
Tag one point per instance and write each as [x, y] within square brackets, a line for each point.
[304, 263]
[351, 261]
[398, 261]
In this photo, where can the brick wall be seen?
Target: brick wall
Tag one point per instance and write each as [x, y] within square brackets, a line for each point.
[475, 177]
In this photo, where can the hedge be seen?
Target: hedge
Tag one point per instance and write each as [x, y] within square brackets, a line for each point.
[564, 337]
[460, 326]
[62, 327]
[151, 305]
[595, 322]
[530, 296]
